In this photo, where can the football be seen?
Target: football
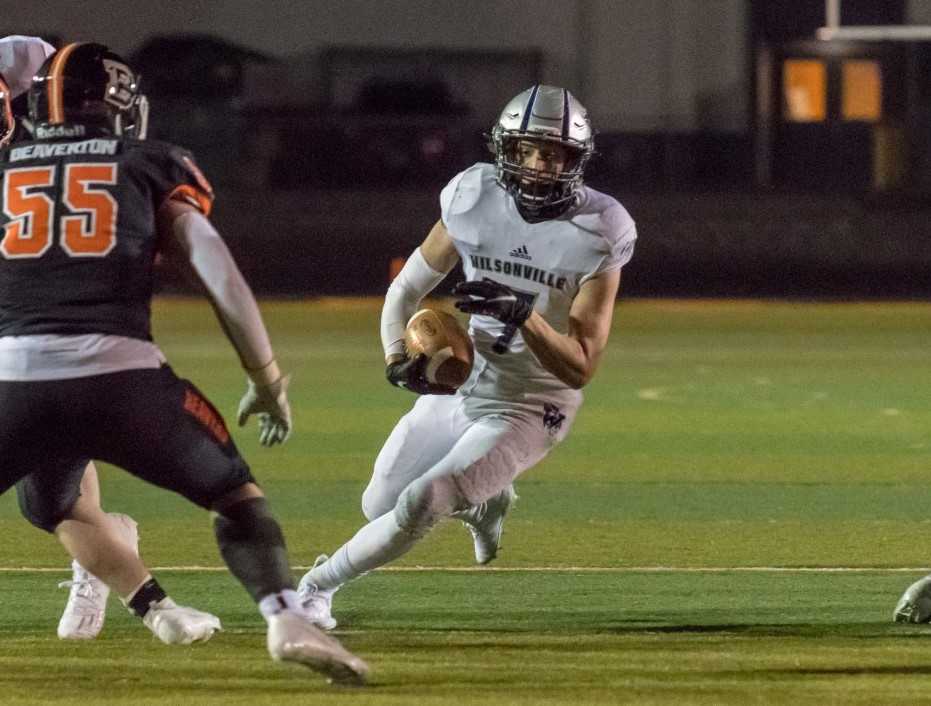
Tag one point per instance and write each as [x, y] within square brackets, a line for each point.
[446, 344]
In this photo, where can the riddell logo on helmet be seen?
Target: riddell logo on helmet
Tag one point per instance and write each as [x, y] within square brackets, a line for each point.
[44, 132]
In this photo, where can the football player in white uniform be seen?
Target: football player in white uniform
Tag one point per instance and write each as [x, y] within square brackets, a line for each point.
[542, 255]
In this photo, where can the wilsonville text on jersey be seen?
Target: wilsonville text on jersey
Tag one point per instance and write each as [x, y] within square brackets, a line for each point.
[517, 269]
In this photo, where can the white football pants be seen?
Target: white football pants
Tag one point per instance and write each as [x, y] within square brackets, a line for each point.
[447, 454]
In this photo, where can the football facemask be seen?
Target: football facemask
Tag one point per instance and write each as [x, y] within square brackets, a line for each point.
[542, 117]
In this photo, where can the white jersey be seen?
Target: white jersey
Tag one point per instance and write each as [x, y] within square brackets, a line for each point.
[548, 261]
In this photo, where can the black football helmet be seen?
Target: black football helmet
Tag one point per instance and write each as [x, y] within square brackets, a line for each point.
[7, 122]
[84, 89]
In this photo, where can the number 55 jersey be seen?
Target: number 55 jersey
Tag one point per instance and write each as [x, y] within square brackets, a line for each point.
[79, 235]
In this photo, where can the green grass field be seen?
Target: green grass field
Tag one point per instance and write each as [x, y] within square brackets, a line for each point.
[678, 548]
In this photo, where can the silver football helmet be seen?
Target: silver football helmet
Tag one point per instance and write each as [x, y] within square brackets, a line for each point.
[542, 114]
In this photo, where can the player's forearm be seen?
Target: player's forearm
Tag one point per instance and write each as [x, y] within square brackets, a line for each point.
[415, 280]
[239, 316]
[230, 295]
[562, 355]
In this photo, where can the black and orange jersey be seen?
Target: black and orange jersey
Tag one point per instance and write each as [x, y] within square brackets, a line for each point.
[78, 226]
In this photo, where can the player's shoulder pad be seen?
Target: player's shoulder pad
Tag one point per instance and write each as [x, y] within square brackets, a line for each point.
[183, 179]
[464, 190]
[604, 217]
[173, 156]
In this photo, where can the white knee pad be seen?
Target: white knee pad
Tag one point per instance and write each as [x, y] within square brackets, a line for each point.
[376, 502]
[425, 502]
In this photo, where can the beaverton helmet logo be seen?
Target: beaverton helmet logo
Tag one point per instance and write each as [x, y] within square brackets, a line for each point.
[120, 86]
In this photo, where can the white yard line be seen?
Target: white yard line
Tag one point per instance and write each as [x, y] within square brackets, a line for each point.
[554, 569]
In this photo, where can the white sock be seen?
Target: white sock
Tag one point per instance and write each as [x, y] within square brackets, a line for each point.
[380, 541]
[286, 600]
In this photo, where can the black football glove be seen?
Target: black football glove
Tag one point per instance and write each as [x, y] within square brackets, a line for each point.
[409, 374]
[490, 298]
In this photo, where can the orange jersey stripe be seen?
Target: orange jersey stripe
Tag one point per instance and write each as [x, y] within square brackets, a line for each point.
[186, 193]
[54, 84]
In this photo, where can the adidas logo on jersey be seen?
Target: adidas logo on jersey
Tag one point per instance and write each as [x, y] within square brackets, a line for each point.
[520, 252]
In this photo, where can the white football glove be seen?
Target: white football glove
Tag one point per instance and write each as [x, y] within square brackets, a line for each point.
[270, 402]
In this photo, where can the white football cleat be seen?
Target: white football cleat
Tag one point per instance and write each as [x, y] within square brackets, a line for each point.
[318, 604]
[486, 531]
[293, 638]
[179, 625]
[86, 608]
[915, 604]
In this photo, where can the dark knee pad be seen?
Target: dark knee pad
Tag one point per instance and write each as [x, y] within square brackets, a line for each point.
[248, 518]
[253, 546]
[46, 501]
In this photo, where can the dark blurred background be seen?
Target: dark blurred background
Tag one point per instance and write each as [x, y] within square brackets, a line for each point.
[756, 159]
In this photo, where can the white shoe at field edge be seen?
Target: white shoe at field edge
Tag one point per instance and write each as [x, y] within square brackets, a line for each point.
[293, 638]
[317, 604]
[486, 532]
[915, 604]
[86, 609]
[179, 625]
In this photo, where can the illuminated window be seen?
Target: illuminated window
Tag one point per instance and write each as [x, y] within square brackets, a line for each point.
[863, 91]
[804, 89]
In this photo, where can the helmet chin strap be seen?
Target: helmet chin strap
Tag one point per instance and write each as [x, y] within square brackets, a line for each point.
[538, 212]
